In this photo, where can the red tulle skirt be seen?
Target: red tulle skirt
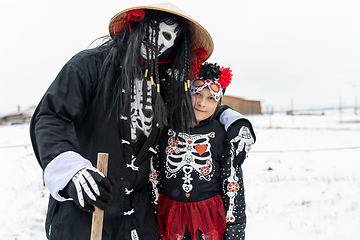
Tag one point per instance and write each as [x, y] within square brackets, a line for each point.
[208, 216]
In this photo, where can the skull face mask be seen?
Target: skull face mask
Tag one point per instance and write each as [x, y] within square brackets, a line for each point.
[166, 39]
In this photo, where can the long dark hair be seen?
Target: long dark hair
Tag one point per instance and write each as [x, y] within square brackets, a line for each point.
[172, 106]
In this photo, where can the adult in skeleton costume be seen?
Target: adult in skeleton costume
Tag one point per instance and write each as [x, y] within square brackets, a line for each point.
[199, 173]
[115, 98]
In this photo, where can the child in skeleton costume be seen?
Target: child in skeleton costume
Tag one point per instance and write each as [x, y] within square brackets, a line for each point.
[194, 169]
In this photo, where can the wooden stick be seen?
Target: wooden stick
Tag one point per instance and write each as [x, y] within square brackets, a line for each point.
[98, 215]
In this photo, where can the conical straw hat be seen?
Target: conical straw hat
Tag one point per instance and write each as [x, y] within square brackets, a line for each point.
[200, 38]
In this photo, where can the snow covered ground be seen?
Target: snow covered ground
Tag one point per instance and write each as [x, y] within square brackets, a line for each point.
[302, 180]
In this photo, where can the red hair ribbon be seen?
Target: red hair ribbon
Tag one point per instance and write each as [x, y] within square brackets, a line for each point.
[198, 56]
[132, 15]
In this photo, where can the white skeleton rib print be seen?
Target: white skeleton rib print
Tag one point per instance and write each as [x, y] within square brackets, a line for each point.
[140, 120]
[189, 153]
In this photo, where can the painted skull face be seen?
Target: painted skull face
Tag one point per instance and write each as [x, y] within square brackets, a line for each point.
[167, 36]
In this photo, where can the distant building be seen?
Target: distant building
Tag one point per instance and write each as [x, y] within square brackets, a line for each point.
[19, 117]
[246, 107]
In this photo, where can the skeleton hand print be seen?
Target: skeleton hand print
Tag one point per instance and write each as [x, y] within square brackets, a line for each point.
[245, 140]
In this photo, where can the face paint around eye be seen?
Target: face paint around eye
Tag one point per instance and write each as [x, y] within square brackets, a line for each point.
[166, 39]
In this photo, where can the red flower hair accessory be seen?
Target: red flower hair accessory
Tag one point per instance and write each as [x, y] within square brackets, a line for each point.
[225, 77]
[132, 15]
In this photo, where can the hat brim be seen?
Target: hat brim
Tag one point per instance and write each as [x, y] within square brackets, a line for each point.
[200, 37]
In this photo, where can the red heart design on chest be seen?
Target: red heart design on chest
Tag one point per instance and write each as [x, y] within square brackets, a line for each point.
[200, 148]
[189, 141]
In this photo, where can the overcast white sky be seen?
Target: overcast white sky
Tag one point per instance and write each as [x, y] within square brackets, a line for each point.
[304, 51]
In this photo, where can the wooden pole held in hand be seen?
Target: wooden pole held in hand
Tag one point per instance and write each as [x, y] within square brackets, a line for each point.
[98, 214]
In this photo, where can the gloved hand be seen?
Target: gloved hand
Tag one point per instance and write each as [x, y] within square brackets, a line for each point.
[240, 137]
[88, 188]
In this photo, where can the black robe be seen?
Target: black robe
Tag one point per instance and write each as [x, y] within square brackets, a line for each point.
[72, 117]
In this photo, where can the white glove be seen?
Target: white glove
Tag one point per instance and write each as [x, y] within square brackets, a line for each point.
[89, 187]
